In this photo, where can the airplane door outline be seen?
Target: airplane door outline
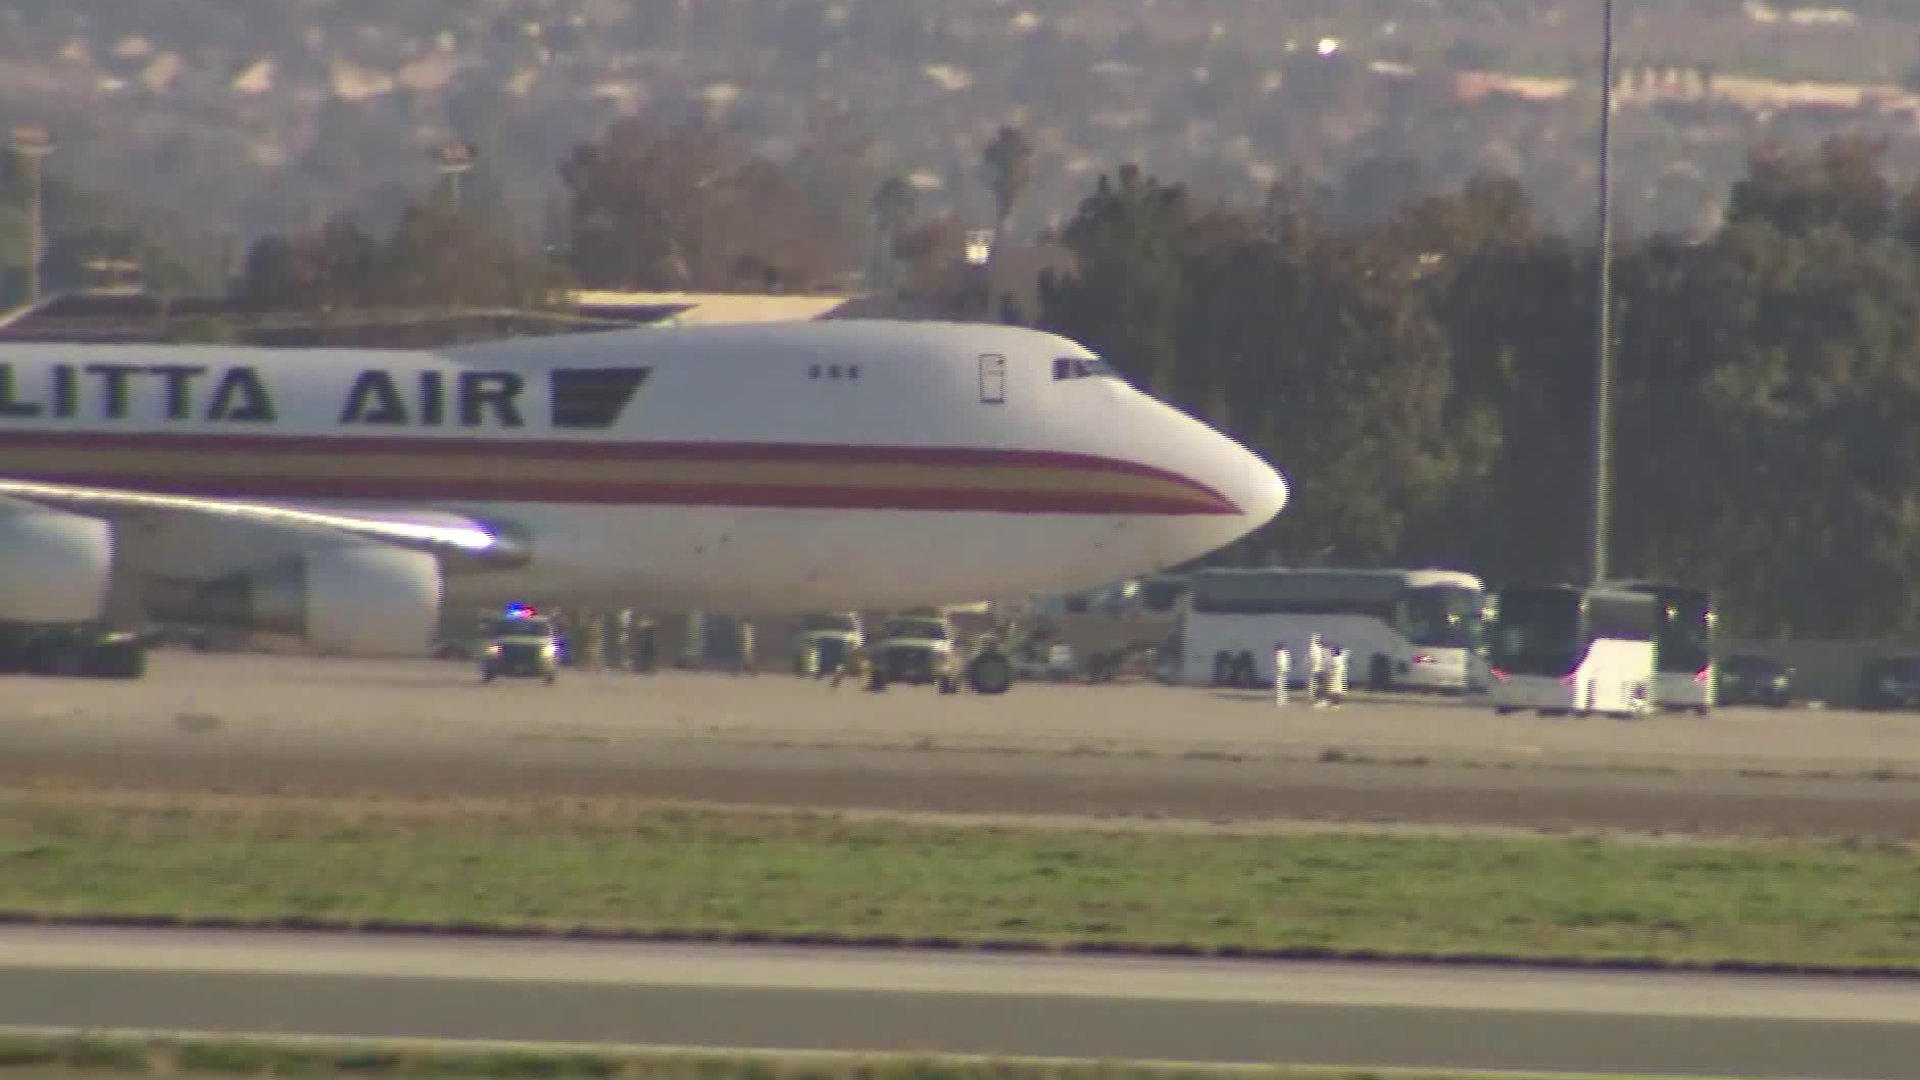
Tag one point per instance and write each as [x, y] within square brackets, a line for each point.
[993, 379]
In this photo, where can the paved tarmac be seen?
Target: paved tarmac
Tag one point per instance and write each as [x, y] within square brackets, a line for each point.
[1170, 1010]
[276, 725]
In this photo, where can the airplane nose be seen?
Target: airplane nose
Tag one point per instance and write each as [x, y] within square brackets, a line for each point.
[1263, 493]
[1226, 469]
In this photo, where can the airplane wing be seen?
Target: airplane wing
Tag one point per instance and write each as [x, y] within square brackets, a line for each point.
[459, 541]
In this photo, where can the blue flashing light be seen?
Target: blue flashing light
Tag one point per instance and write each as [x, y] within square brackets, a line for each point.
[521, 611]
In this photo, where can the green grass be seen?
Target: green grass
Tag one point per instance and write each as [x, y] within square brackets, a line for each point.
[566, 866]
[24, 1057]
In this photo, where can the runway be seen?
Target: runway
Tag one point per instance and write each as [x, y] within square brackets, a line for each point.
[1168, 1010]
[423, 729]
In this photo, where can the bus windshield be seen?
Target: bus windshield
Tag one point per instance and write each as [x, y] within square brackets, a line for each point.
[1537, 632]
[830, 624]
[916, 629]
[1441, 617]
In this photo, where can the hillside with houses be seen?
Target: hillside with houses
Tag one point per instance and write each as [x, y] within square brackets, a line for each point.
[238, 118]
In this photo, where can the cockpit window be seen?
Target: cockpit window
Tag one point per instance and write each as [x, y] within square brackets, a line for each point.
[1083, 367]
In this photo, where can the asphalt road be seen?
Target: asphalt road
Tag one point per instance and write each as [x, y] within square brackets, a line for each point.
[1169, 1010]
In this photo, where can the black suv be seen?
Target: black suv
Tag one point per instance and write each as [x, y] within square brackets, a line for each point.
[1891, 682]
[1752, 679]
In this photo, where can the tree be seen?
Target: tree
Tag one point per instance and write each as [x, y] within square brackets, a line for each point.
[838, 158]
[685, 207]
[1124, 299]
[1842, 185]
[1006, 165]
[892, 209]
[931, 251]
[893, 206]
[439, 255]
[436, 256]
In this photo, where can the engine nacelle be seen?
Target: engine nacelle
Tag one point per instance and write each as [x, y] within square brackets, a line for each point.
[54, 567]
[359, 601]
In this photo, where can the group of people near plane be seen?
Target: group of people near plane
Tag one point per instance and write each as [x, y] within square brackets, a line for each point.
[1326, 672]
[617, 640]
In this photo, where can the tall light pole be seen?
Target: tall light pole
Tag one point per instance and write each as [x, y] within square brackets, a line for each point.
[979, 254]
[33, 144]
[453, 158]
[1603, 375]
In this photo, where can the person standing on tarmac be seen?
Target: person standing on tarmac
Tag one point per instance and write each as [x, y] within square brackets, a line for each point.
[645, 644]
[747, 666]
[592, 641]
[563, 629]
[620, 639]
[856, 665]
[1336, 689]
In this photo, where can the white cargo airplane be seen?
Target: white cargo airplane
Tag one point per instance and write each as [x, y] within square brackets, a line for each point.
[345, 495]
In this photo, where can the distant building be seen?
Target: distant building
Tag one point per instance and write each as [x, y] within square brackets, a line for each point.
[703, 309]
[122, 315]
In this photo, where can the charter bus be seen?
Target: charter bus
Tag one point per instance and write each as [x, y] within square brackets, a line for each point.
[1561, 649]
[1402, 629]
[1684, 616]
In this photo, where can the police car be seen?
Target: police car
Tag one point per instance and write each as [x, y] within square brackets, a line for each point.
[520, 644]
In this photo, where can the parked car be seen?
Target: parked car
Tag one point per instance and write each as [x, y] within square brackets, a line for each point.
[1891, 682]
[917, 648]
[1752, 679]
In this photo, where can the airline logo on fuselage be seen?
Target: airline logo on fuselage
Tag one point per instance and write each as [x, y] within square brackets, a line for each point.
[590, 399]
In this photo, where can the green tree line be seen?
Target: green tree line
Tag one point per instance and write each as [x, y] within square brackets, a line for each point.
[1428, 382]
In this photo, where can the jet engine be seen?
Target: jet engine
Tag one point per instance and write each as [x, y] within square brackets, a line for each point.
[357, 601]
[54, 567]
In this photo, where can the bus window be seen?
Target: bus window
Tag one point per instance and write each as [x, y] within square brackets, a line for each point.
[1445, 618]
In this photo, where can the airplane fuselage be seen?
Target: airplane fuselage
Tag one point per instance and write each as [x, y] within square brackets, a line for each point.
[771, 466]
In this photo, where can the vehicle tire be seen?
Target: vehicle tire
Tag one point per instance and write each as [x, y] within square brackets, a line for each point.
[1222, 670]
[876, 679]
[14, 656]
[1380, 674]
[118, 660]
[57, 655]
[486, 675]
[1504, 710]
[1700, 710]
[1243, 671]
[551, 679]
[990, 673]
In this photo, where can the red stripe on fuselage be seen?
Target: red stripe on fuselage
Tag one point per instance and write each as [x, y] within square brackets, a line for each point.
[124, 460]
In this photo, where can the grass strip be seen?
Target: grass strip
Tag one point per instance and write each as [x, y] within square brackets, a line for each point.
[107, 1057]
[589, 869]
